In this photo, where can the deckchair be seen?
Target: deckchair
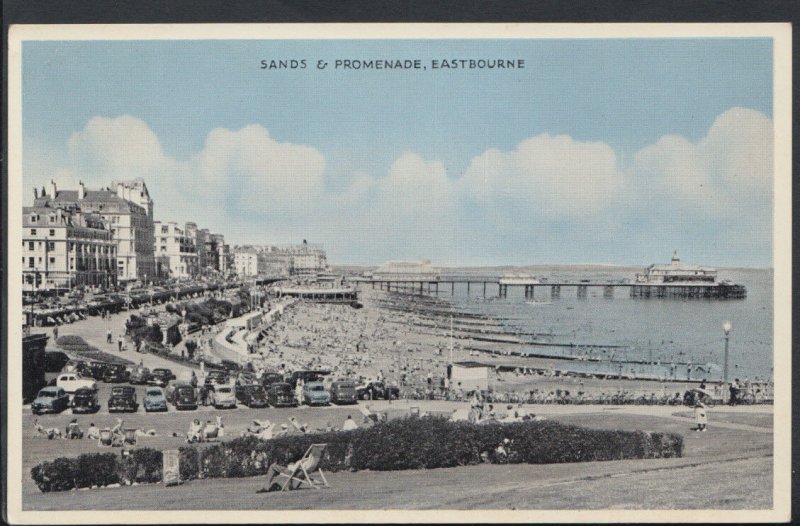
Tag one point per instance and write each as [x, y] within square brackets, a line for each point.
[106, 438]
[130, 436]
[305, 472]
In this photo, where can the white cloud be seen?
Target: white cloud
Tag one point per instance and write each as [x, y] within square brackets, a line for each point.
[555, 175]
[252, 187]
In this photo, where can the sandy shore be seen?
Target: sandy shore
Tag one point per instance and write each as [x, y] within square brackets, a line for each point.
[405, 339]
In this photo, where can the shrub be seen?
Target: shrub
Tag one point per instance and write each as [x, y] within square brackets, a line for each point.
[406, 443]
[71, 340]
[141, 465]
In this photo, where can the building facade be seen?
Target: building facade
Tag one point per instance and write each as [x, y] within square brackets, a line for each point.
[65, 248]
[248, 261]
[176, 254]
[131, 224]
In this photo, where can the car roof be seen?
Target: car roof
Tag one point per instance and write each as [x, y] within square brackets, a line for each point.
[313, 384]
[51, 388]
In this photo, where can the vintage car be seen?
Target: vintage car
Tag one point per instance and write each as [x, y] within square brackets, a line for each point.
[154, 399]
[54, 361]
[252, 395]
[115, 374]
[71, 382]
[139, 376]
[160, 377]
[85, 401]
[307, 376]
[97, 370]
[376, 391]
[216, 378]
[183, 396]
[224, 396]
[123, 399]
[281, 395]
[51, 399]
[268, 379]
[314, 393]
[343, 393]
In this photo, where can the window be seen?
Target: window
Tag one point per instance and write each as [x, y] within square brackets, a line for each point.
[52, 260]
[33, 230]
[30, 262]
[51, 245]
[52, 232]
[30, 245]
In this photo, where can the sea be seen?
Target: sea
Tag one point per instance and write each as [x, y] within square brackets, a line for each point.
[641, 337]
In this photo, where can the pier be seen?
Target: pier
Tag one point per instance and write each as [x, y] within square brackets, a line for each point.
[608, 289]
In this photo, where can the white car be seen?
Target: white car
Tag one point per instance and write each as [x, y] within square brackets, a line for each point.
[224, 396]
[71, 382]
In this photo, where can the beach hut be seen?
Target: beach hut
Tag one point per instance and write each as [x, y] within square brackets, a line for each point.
[471, 375]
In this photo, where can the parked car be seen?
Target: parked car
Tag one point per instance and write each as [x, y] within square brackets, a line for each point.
[216, 378]
[123, 400]
[73, 366]
[50, 400]
[281, 395]
[252, 395]
[116, 374]
[268, 379]
[160, 377]
[314, 393]
[71, 382]
[377, 390]
[55, 361]
[154, 399]
[85, 401]
[97, 370]
[224, 396]
[139, 376]
[343, 393]
[183, 396]
[307, 376]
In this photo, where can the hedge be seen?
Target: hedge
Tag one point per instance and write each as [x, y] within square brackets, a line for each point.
[407, 443]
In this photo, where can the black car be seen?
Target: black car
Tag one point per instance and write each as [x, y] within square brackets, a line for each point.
[116, 374]
[271, 378]
[343, 393]
[123, 400]
[55, 361]
[97, 370]
[183, 396]
[85, 401]
[377, 391]
[160, 377]
[281, 395]
[252, 395]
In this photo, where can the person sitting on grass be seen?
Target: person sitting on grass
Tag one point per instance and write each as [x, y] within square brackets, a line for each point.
[195, 433]
[93, 433]
[349, 424]
[73, 431]
[41, 431]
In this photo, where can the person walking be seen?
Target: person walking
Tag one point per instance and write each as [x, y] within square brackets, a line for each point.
[108, 336]
[700, 416]
[55, 333]
[119, 343]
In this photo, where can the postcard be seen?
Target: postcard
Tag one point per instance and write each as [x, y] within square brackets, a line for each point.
[399, 273]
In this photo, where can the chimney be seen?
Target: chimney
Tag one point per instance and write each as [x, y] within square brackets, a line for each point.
[52, 192]
[35, 193]
[121, 190]
[81, 190]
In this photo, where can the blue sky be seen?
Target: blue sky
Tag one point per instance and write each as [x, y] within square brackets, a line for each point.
[607, 151]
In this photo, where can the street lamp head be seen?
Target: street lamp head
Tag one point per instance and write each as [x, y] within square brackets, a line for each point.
[726, 326]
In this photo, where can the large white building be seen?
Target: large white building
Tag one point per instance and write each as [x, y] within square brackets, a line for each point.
[64, 248]
[248, 261]
[176, 255]
[128, 212]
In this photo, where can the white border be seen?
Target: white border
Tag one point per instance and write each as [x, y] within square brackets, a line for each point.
[780, 32]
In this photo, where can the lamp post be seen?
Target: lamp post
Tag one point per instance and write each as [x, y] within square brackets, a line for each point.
[726, 327]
